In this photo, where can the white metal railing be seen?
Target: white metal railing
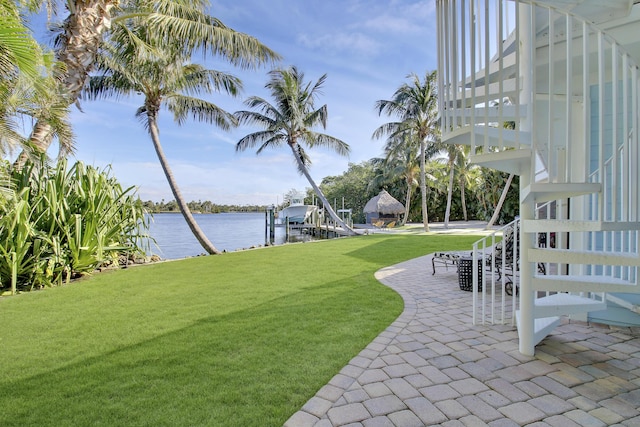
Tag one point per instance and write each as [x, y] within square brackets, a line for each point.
[496, 299]
[485, 81]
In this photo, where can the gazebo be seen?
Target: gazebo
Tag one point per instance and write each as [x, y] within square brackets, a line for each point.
[383, 207]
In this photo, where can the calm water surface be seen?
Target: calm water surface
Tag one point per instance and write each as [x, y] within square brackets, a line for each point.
[227, 231]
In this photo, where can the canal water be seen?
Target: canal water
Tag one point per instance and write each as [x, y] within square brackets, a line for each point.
[227, 231]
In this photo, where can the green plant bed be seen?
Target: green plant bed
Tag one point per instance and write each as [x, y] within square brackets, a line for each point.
[242, 339]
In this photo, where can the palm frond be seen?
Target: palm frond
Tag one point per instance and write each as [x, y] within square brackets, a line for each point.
[200, 110]
[255, 118]
[314, 139]
[256, 138]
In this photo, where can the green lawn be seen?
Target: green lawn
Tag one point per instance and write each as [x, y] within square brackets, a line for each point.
[241, 339]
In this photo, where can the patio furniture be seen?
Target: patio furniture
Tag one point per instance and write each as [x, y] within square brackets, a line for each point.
[445, 258]
[494, 258]
[465, 273]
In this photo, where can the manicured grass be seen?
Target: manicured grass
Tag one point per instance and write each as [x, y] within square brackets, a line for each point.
[242, 339]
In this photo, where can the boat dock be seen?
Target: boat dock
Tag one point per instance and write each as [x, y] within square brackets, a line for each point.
[321, 231]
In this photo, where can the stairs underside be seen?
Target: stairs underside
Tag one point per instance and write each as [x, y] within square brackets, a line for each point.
[509, 161]
[542, 327]
[553, 283]
[549, 310]
[541, 192]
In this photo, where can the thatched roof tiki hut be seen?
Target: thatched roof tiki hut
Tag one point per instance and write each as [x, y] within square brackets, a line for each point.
[383, 207]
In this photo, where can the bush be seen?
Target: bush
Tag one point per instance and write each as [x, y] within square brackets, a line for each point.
[56, 224]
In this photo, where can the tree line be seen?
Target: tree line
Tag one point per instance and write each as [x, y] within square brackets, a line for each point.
[200, 207]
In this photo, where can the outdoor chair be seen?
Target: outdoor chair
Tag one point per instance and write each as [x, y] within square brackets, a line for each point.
[495, 256]
[447, 259]
[511, 262]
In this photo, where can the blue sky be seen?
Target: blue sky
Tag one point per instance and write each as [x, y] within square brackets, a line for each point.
[366, 47]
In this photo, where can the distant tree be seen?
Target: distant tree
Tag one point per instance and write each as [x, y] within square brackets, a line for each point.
[289, 121]
[352, 186]
[416, 107]
[403, 161]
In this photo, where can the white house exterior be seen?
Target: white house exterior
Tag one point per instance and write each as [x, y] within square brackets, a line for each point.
[564, 76]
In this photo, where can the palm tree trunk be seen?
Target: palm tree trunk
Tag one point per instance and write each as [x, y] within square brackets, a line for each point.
[449, 192]
[503, 197]
[423, 184]
[407, 202]
[319, 193]
[186, 213]
[463, 200]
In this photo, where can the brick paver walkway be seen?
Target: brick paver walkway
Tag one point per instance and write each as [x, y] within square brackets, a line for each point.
[433, 367]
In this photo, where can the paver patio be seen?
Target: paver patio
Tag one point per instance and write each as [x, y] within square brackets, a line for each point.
[433, 367]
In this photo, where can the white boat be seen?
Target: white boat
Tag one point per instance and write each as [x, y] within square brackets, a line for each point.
[297, 212]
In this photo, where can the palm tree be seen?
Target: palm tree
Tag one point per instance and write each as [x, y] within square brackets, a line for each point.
[415, 105]
[84, 29]
[464, 170]
[402, 161]
[166, 79]
[27, 82]
[18, 49]
[290, 121]
[503, 197]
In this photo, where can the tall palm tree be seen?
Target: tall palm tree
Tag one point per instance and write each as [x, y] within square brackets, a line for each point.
[290, 121]
[165, 79]
[87, 23]
[416, 107]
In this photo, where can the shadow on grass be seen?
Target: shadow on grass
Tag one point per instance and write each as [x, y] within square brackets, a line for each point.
[223, 370]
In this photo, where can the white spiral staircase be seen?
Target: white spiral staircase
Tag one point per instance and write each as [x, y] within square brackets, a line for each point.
[548, 90]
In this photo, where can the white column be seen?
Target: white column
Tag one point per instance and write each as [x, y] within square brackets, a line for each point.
[527, 209]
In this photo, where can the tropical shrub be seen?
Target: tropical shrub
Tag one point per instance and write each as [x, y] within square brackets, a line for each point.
[61, 222]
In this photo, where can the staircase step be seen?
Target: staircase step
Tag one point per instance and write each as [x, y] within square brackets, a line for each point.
[562, 304]
[509, 112]
[571, 256]
[510, 161]
[624, 302]
[564, 283]
[483, 92]
[548, 191]
[496, 137]
[541, 327]
[509, 68]
[567, 225]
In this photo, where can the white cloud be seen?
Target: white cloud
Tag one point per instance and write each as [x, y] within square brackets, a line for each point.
[338, 44]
